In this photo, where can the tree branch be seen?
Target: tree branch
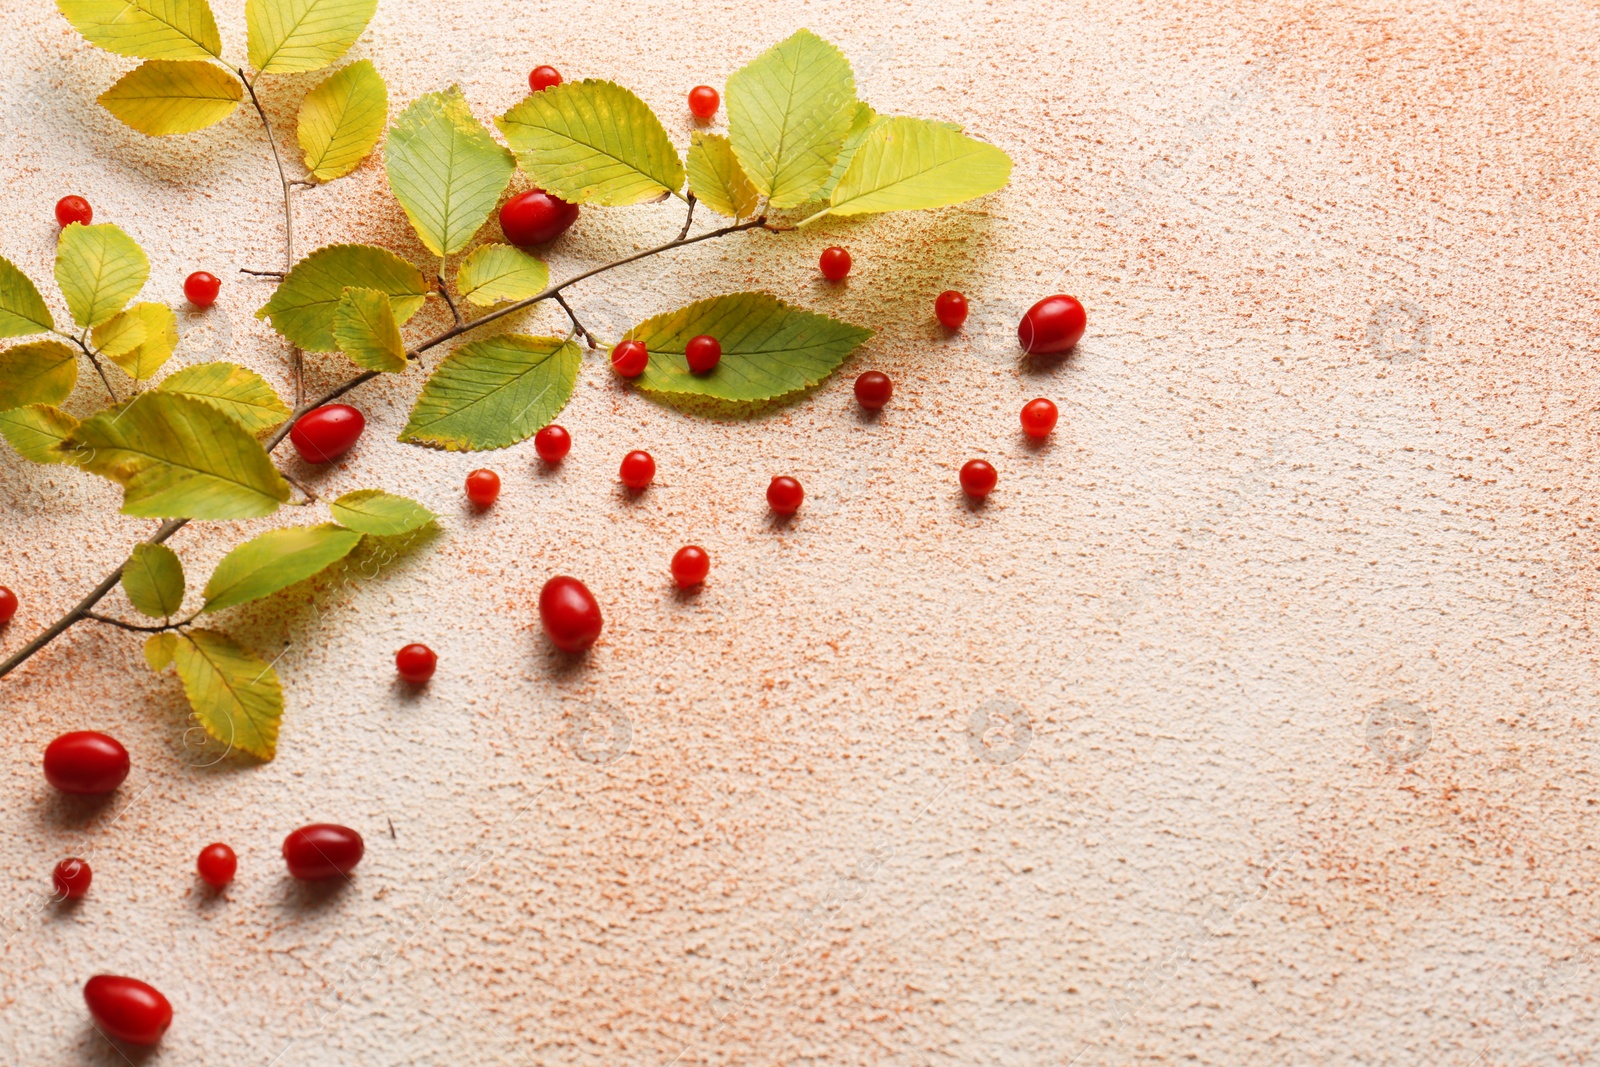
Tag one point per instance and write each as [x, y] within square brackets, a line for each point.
[687, 219]
[577, 326]
[297, 358]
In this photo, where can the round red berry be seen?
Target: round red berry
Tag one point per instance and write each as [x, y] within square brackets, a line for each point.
[784, 495]
[8, 605]
[978, 478]
[638, 470]
[542, 78]
[552, 443]
[127, 1009]
[216, 865]
[202, 288]
[703, 353]
[873, 390]
[70, 209]
[704, 101]
[324, 434]
[416, 663]
[835, 263]
[629, 358]
[951, 309]
[72, 878]
[323, 850]
[535, 218]
[1052, 325]
[690, 565]
[570, 614]
[1038, 417]
[483, 487]
[85, 763]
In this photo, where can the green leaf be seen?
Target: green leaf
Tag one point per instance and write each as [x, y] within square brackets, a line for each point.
[445, 169]
[769, 349]
[40, 372]
[160, 649]
[153, 580]
[863, 123]
[342, 119]
[156, 328]
[501, 272]
[276, 560]
[178, 457]
[234, 693]
[717, 180]
[146, 29]
[242, 395]
[298, 35]
[911, 164]
[22, 310]
[593, 142]
[120, 334]
[365, 330]
[303, 306]
[99, 269]
[161, 97]
[372, 511]
[38, 432]
[789, 111]
[494, 393]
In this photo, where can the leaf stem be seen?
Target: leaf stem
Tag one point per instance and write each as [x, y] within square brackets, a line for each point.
[288, 221]
[688, 218]
[577, 326]
[444, 291]
[93, 359]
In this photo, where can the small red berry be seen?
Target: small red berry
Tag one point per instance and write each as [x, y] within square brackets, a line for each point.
[873, 389]
[85, 763]
[978, 478]
[629, 358]
[638, 470]
[835, 263]
[1038, 417]
[951, 309]
[8, 605]
[784, 495]
[72, 878]
[570, 614]
[70, 209]
[1052, 325]
[542, 78]
[416, 663]
[690, 565]
[535, 218]
[703, 353]
[216, 865]
[201, 288]
[322, 850]
[127, 1009]
[483, 487]
[324, 434]
[704, 101]
[552, 443]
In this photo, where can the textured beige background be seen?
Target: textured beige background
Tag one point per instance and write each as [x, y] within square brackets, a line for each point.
[1326, 456]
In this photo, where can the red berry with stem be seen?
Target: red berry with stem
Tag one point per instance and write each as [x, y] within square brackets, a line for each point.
[835, 263]
[72, 878]
[873, 390]
[70, 209]
[416, 663]
[638, 470]
[1038, 417]
[85, 763]
[323, 850]
[552, 443]
[570, 614]
[202, 288]
[951, 309]
[483, 487]
[1052, 325]
[704, 101]
[978, 478]
[543, 77]
[690, 565]
[703, 353]
[216, 865]
[8, 605]
[127, 1009]
[785, 495]
[629, 358]
[326, 433]
[535, 218]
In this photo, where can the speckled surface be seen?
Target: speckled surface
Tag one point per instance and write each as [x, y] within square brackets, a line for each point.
[1295, 605]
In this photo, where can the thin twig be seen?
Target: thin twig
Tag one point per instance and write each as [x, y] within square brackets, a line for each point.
[576, 325]
[288, 223]
[687, 219]
[445, 292]
[263, 273]
[310, 495]
[119, 624]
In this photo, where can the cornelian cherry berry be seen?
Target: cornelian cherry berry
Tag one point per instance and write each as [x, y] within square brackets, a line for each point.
[70, 209]
[216, 865]
[483, 487]
[552, 443]
[1038, 417]
[835, 263]
[535, 218]
[704, 101]
[416, 663]
[690, 565]
[85, 763]
[570, 614]
[951, 309]
[324, 434]
[72, 878]
[784, 495]
[873, 389]
[1052, 325]
[127, 1009]
[638, 470]
[8, 605]
[542, 78]
[978, 478]
[629, 358]
[703, 353]
[202, 288]
[323, 850]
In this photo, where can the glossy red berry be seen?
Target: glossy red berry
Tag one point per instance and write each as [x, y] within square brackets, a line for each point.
[535, 218]
[72, 878]
[70, 209]
[85, 763]
[202, 288]
[416, 663]
[835, 263]
[542, 78]
[703, 353]
[570, 614]
[127, 1009]
[784, 495]
[483, 487]
[873, 389]
[704, 101]
[323, 850]
[1038, 417]
[978, 478]
[326, 433]
[629, 358]
[638, 470]
[690, 565]
[951, 309]
[1052, 325]
[8, 605]
[552, 443]
[216, 865]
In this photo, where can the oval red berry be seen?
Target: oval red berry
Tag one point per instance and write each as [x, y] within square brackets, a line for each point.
[217, 865]
[873, 390]
[535, 218]
[630, 358]
[1052, 325]
[323, 850]
[85, 763]
[638, 470]
[327, 433]
[834, 263]
[704, 101]
[552, 443]
[416, 663]
[483, 487]
[1039, 417]
[543, 77]
[202, 288]
[690, 565]
[570, 614]
[72, 878]
[70, 209]
[978, 478]
[703, 353]
[8, 605]
[951, 309]
[127, 1009]
[785, 495]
